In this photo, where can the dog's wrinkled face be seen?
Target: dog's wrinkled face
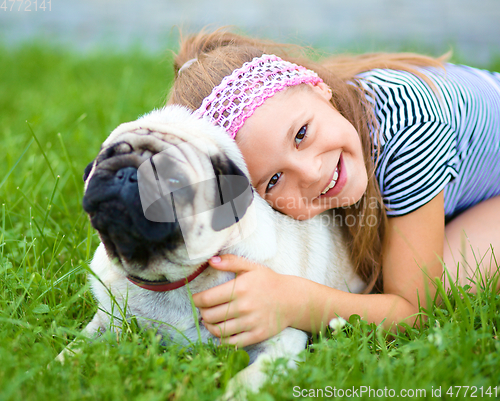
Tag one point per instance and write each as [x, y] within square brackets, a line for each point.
[163, 199]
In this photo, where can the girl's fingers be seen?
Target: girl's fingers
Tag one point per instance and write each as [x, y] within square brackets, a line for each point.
[224, 293]
[219, 295]
[232, 263]
[230, 333]
[220, 313]
[226, 328]
[243, 339]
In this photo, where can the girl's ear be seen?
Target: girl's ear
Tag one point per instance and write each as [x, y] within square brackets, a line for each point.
[322, 89]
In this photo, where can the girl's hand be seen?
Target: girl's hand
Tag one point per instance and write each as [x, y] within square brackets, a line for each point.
[247, 309]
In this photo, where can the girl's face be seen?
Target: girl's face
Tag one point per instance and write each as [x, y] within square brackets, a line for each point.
[304, 157]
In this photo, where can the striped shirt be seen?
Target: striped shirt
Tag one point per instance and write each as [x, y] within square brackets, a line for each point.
[433, 140]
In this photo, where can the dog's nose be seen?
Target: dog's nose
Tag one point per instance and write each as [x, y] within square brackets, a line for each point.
[126, 176]
[107, 185]
[125, 184]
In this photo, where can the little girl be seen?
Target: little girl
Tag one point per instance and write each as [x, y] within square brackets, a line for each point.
[406, 148]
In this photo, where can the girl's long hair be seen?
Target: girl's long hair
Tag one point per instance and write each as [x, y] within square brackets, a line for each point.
[218, 53]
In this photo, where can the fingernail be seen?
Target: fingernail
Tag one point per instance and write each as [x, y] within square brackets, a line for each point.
[215, 259]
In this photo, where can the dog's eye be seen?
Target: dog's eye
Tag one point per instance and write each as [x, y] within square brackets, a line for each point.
[174, 183]
[273, 181]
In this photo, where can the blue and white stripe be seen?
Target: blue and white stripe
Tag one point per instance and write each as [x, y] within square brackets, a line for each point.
[446, 137]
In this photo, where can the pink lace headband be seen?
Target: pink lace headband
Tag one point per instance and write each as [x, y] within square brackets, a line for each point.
[239, 94]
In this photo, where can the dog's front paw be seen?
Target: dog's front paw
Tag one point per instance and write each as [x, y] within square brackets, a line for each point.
[247, 380]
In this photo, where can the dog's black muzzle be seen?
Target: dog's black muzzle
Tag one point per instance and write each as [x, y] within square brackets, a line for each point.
[113, 203]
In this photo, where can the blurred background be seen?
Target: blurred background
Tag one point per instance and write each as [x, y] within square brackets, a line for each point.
[471, 28]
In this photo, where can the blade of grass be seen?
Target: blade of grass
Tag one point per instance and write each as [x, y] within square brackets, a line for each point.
[89, 241]
[2, 237]
[16, 322]
[444, 296]
[16, 163]
[22, 296]
[41, 149]
[458, 302]
[72, 168]
[195, 313]
[49, 206]
[40, 211]
[62, 278]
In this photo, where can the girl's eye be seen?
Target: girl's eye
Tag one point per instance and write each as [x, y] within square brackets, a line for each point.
[300, 135]
[273, 181]
[298, 140]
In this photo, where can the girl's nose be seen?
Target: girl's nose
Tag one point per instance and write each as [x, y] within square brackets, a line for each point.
[309, 173]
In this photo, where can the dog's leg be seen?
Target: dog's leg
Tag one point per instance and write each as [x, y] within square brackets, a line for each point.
[89, 331]
[287, 344]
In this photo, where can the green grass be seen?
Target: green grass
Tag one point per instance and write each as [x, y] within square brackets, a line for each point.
[56, 109]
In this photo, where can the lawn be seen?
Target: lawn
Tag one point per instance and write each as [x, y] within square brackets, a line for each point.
[56, 108]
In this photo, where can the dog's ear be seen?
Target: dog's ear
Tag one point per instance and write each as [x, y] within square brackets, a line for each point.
[235, 193]
[87, 170]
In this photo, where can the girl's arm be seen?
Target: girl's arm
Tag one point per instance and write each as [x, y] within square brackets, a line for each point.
[413, 250]
[260, 303]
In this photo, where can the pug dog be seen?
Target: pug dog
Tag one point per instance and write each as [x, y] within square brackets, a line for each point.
[167, 192]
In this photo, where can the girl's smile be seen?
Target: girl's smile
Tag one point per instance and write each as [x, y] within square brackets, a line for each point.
[304, 157]
[337, 183]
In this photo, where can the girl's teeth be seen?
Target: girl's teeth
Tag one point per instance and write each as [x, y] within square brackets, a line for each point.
[332, 182]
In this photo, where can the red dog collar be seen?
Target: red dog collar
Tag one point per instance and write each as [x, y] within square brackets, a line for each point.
[163, 286]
